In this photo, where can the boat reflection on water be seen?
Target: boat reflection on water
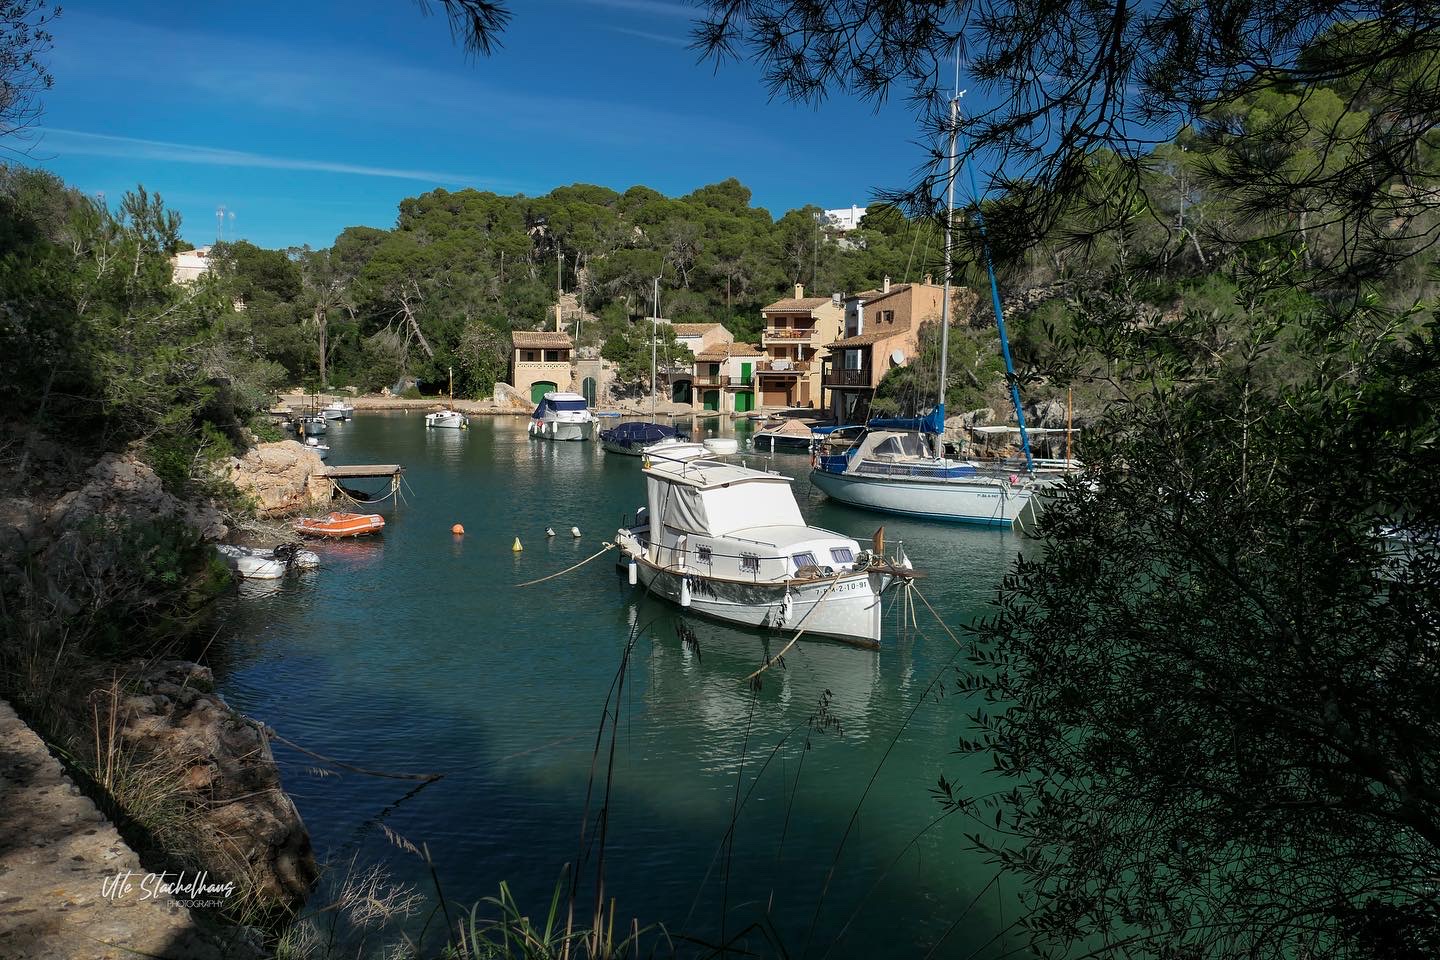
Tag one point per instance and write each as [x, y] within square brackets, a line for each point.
[706, 679]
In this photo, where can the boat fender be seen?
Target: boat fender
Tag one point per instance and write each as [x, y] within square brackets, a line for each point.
[575, 532]
[549, 531]
[684, 591]
[633, 572]
[515, 547]
[1014, 480]
[787, 607]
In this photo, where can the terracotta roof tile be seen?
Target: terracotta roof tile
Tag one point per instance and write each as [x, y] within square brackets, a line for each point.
[870, 337]
[695, 329]
[540, 339]
[791, 305]
[725, 351]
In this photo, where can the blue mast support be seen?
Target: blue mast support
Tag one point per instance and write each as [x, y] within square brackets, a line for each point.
[1000, 324]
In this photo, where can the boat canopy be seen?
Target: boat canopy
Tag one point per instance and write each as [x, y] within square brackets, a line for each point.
[714, 499]
[639, 431]
[932, 422]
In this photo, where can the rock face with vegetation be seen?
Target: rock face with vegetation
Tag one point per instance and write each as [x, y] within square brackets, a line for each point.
[282, 477]
[224, 773]
[122, 485]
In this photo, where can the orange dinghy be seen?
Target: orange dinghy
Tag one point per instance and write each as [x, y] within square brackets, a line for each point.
[340, 525]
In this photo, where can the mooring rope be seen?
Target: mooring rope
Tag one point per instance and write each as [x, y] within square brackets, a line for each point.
[770, 661]
[427, 777]
[529, 583]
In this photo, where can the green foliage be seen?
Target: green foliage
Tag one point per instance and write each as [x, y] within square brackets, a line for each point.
[975, 374]
[631, 351]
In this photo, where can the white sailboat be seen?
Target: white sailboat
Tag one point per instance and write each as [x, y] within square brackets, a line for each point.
[447, 419]
[730, 543]
[899, 465]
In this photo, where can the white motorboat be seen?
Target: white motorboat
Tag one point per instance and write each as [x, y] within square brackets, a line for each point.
[730, 543]
[338, 410]
[253, 563]
[310, 425]
[677, 448]
[562, 416]
[321, 449]
[447, 420]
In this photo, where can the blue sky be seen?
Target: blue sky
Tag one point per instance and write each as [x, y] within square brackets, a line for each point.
[307, 117]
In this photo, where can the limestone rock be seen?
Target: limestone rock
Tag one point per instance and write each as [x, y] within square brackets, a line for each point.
[122, 485]
[508, 398]
[283, 477]
[228, 774]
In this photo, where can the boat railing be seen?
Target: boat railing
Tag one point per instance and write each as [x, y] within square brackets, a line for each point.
[884, 469]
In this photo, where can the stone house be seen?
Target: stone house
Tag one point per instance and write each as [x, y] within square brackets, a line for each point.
[541, 361]
[881, 332]
[698, 338]
[797, 331]
[724, 377]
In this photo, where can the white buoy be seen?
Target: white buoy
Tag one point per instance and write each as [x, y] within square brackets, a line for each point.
[634, 572]
[549, 531]
[684, 591]
[575, 532]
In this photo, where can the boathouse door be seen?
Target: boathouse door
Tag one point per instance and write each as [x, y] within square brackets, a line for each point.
[588, 389]
[539, 388]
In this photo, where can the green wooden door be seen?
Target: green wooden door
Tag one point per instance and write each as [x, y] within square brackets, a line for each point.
[588, 389]
[746, 369]
[712, 399]
[744, 401]
[539, 388]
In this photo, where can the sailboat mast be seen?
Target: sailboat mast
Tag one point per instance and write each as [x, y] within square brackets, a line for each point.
[654, 332]
[949, 221]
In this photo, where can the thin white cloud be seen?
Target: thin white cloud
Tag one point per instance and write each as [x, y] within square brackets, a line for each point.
[63, 141]
[664, 38]
[654, 7]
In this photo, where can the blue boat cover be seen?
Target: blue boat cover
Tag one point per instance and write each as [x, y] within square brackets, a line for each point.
[638, 432]
[932, 422]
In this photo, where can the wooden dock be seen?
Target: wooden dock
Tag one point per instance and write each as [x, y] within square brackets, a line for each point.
[364, 471]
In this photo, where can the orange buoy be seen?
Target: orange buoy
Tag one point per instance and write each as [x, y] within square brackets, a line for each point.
[458, 530]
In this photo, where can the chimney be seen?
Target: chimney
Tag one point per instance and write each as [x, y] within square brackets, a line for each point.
[559, 324]
[799, 291]
[929, 280]
[886, 287]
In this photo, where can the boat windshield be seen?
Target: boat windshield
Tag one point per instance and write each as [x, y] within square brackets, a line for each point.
[567, 405]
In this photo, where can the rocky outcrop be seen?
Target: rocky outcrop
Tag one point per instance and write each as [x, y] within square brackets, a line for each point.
[508, 398]
[122, 486]
[282, 478]
[226, 773]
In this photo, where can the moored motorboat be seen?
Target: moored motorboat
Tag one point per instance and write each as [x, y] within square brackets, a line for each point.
[340, 525]
[562, 416]
[310, 425]
[730, 543]
[254, 563]
[321, 449]
[447, 420]
[631, 439]
[338, 410]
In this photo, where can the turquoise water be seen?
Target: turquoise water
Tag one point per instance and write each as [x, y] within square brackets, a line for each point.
[416, 652]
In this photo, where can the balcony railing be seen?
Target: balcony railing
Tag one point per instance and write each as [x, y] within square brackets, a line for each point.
[848, 378]
[783, 366]
[801, 334]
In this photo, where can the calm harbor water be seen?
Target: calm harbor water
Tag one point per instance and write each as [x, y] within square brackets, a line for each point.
[416, 652]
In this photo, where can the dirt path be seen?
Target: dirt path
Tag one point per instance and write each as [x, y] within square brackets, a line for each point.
[63, 869]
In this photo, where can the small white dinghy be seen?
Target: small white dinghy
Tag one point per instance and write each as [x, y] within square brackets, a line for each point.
[254, 563]
[447, 419]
